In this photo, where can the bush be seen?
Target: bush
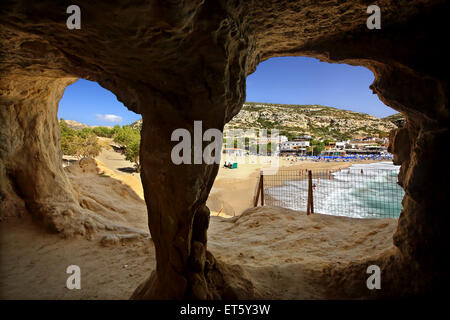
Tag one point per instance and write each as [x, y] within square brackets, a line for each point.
[89, 147]
[80, 144]
[105, 131]
[126, 135]
[132, 152]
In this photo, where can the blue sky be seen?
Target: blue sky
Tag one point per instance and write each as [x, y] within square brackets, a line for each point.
[301, 80]
[87, 102]
[292, 80]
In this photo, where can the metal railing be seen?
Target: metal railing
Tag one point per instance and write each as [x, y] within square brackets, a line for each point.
[351, 192]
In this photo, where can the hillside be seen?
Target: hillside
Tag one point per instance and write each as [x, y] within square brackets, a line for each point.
[136, 125]
[80, 126]
[318, 121]
[394, 117]
[75, 125]
[398, 119]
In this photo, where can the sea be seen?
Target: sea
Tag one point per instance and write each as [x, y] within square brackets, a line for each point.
[359, 191]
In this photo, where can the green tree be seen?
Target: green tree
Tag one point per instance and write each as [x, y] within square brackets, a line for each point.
[131, 140]
[125, 135]
[132, 152]
[317, 147]
[68, 137]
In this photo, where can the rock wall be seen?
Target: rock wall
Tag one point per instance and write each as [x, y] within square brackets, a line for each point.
[176, 62]
[31, 174]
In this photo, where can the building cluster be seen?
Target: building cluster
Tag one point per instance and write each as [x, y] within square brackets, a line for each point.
[367, 145]
[299, 146]
[302, 145]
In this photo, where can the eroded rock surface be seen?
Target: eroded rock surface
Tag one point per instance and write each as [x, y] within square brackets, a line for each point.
[176, 62]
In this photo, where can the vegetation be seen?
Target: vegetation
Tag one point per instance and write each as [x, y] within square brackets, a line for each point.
[289, 134]
[131, 139]
[84, 143]
[132, 152]
[105, 131]
[80, 144]
[395, 117]
[318, 146]
[267, 124]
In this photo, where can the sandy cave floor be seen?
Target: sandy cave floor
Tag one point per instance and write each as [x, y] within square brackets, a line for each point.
[283, 252]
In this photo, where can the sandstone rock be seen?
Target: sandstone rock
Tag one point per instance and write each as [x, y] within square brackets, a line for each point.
[130, 237]
[178, 62]
[198, 256]
[110, 239]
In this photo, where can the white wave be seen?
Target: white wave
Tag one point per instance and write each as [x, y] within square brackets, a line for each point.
[373, 193]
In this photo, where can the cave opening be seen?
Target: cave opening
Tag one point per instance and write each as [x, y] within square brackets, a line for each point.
[276, 91]
[95, 125]
[88, 108]
[321, 112]
[212, 47]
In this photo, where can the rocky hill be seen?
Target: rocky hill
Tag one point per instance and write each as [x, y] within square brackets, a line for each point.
[80, 126]
[320, 122]
[136, 125]
[75, 125]
[398, 119]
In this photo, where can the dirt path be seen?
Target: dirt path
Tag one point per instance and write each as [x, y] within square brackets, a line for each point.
[116, 162]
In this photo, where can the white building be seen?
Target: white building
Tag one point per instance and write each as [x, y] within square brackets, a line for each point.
[341, 145]
[294, 146]
[270, 139]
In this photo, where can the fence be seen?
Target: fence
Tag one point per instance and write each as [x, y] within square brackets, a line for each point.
[358, 193]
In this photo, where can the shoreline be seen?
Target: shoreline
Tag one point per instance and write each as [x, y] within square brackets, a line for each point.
[233, 190]
[282, 190]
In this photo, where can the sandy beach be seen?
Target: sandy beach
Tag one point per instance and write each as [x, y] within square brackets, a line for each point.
[234, 189]
[267, 245]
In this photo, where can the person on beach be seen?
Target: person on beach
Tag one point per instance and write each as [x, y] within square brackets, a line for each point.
[362, 172]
